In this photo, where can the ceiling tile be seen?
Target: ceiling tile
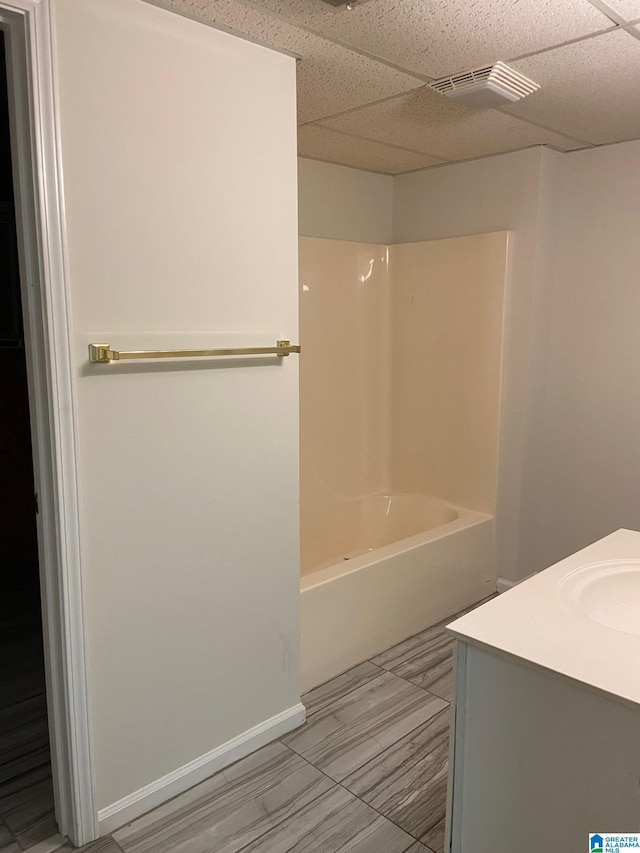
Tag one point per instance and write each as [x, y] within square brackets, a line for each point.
[629, 9]
[426, 121]
[324, 144]
[439, 37]
[588, 89]
[331, 78]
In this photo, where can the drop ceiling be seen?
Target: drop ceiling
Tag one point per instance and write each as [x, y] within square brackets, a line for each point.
[363, 96]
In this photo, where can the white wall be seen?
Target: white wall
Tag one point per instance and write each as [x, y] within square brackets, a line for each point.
[344, 204]
[492, 194]
[570, 469]
[589, 481]
[178, 146]
[540, 318]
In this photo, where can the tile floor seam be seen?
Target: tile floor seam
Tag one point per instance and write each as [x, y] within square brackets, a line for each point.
[423, 673]
[382, 671]
[409, 659]
[395, 673]
[351, 690]
[430, 692]
[289, 816]
[10, 831]
[395, 743]
[379, 813]
[413, 844]
[442, 624]
[391, 820]
[444, 698]
[439, 654]
[383, 749]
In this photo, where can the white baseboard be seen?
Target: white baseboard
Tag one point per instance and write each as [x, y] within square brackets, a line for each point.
[174, 783]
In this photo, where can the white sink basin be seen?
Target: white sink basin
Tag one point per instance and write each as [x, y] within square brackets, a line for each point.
[607, 593]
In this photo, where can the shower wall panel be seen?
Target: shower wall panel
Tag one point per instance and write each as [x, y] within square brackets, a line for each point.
[447, 309]
[344, 391]
[400, 380]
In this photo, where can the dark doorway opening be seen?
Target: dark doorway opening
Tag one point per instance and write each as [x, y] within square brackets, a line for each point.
[26, 790]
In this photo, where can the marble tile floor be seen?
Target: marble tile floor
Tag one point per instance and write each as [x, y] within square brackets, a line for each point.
[367, 772]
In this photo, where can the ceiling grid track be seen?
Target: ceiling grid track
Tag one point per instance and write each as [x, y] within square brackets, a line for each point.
[578, 51]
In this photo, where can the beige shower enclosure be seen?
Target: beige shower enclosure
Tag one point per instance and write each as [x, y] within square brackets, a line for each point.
[400, 390]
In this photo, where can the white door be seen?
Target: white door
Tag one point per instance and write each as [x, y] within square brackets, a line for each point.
[178, 154]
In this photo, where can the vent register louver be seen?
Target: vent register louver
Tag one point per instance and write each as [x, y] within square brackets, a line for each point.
[483, 88]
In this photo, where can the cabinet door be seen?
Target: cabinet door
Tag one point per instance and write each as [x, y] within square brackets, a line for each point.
[526, 743]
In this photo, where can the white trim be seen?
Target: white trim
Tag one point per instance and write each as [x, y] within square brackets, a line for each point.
[456, 745]
[51, 370]
[180, 780]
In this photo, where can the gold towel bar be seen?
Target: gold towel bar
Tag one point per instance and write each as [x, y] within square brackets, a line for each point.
[103, 354]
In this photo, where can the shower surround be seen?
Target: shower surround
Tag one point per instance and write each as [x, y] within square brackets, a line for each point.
[400, 378]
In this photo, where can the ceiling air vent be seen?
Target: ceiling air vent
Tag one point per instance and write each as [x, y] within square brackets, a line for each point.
[494, 86]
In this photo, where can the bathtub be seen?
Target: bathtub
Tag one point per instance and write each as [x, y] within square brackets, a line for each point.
[418, 559]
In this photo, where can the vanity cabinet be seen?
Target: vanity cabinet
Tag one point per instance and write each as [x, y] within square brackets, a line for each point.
[546, 719]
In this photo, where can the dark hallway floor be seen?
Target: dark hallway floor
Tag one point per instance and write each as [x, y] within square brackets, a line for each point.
[26, 794]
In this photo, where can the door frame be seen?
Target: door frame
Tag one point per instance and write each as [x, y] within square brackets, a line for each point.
[51, 369]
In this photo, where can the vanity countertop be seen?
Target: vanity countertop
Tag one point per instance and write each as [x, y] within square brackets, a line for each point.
[542, 620]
